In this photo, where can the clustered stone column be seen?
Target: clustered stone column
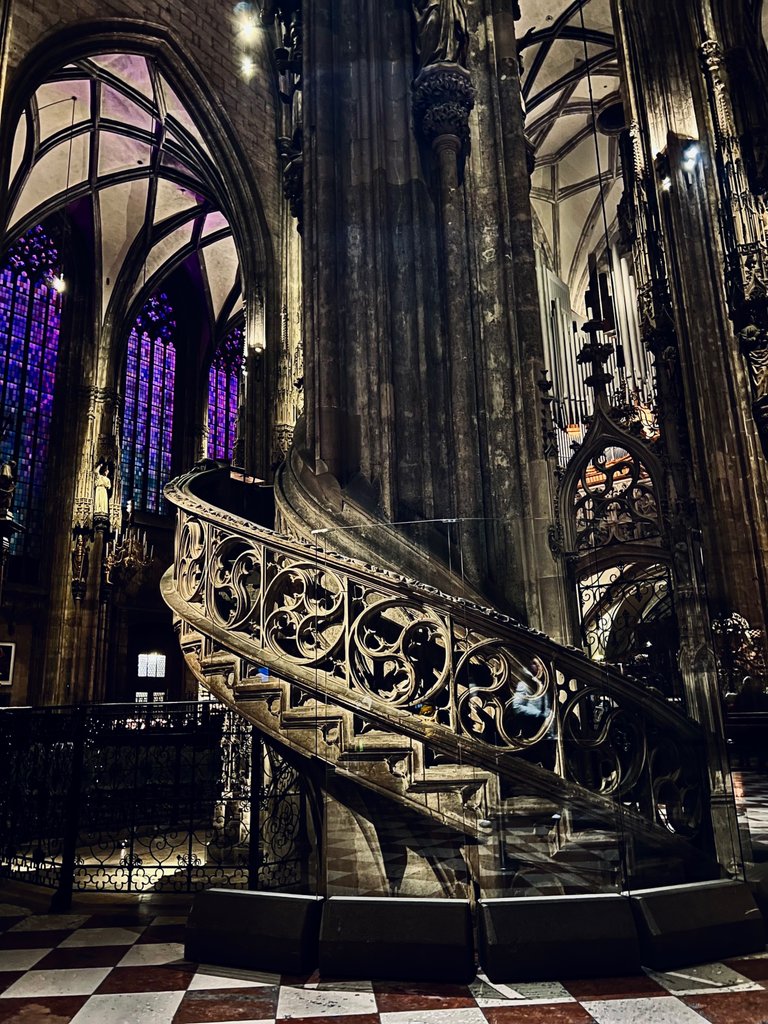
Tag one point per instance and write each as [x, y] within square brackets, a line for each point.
[443, 99]
[288, 367]
[672, 75]
[745, 235]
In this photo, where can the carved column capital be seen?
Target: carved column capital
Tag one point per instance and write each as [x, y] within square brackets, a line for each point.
[443, 98]
[711, 55]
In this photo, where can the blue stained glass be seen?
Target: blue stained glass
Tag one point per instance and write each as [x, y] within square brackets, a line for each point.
[30, 317]
[148, 416]
[223, 390]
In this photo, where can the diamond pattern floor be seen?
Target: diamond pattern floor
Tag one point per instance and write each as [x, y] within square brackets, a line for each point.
[125, 965]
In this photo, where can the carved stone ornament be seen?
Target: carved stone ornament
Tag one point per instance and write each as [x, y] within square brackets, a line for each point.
[443, 99]
[442, 35]
[754, 345]
[282, 439]
[291, 152]
[740, 652]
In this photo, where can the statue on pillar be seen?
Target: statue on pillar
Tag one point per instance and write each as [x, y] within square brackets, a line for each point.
[80, 563]
[442, 35]
[7, 487]
[443, 96]
[102, 487]
[754, 345]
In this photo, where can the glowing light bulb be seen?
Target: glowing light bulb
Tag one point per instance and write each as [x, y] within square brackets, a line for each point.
[666, 184]
[58, 284]
[247, 30]
[247, 67]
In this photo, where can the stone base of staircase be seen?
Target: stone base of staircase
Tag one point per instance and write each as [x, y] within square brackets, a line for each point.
[538, 938]
[701, 922]
[531, 938]
[412, 940]
[265, 931]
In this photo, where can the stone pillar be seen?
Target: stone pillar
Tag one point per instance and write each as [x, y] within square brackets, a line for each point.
[323, 334]
[287, 368]
[443, 99]
[668, 91]
[546, 596]
[717, 474]
[421, 327]
[75, 658]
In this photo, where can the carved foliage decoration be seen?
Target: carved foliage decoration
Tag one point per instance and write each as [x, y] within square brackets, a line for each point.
[443, 98]
[740, 652]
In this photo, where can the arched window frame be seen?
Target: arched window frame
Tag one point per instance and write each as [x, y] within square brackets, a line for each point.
[613, 535]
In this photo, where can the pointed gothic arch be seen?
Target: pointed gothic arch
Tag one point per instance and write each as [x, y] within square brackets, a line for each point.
[613, 536]
[223, 162]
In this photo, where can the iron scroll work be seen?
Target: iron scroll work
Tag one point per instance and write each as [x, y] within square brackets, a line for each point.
[147, 798]
[454, 674]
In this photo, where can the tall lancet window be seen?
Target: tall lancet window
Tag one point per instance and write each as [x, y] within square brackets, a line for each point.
[223, 383]
[31, 289]
[150, 373]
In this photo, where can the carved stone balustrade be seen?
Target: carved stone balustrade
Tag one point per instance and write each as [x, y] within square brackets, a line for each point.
[465, 680]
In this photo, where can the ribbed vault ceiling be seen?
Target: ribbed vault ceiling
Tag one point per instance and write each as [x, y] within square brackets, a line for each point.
[113, 128]
[570, 72]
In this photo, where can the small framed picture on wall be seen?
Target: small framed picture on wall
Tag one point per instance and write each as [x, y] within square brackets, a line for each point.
[7, 657]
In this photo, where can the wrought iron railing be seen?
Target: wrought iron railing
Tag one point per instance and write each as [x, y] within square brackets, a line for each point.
[464, 679]
[145, 798]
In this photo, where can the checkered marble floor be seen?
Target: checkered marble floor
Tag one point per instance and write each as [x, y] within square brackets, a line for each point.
[126, 966]
[751, 791]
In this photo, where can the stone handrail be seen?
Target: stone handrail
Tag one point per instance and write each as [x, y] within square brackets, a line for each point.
[464, 679]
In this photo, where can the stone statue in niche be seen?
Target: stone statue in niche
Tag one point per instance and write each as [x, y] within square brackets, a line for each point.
[442, 35]
[103, 485]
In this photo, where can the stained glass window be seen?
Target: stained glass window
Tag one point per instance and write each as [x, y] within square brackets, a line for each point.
[30, 317]
[223, 380]
[150, 373]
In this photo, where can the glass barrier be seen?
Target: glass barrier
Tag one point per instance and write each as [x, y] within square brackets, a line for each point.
[447, 749]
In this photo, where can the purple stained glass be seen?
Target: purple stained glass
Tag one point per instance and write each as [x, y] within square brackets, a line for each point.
[30, 319]
[223, 390]
[148, 419]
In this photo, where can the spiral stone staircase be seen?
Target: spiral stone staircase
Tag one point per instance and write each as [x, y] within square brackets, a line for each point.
[425, 700]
